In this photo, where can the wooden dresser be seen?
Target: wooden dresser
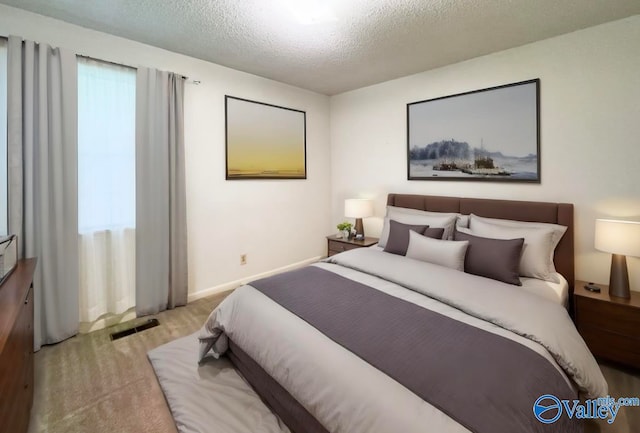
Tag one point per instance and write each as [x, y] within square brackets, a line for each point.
[610, 326]
[16, 348]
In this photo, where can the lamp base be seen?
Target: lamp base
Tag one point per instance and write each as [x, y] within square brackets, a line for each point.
[619, 279]
[359, 229]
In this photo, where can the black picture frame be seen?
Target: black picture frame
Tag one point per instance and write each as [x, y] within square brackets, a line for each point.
[446, 135]
[264, 141]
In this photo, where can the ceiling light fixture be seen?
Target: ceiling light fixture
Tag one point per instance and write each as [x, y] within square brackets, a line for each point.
[310, 11]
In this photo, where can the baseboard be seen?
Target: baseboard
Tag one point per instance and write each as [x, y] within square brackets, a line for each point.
[237, 283]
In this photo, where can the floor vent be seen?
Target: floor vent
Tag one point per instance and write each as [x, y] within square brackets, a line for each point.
[151, 323]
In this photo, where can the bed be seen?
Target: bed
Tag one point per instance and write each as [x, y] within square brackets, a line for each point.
[370, 341]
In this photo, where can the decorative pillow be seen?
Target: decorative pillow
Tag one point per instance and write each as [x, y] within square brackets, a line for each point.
[536, 259]
[498, 259]
[399, 236]
[416, 217]
[434, 232]
[437, 251]
[558, 230]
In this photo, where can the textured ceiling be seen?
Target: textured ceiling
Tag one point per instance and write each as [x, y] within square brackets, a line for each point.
[368, 42]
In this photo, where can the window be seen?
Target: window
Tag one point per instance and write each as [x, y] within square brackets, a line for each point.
[106, 146]
[3, 137]
[106, 188]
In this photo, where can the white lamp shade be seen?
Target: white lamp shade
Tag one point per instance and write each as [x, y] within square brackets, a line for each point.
[618, 237]
[358, 208]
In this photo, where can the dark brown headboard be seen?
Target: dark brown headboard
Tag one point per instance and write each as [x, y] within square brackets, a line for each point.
[555, 213]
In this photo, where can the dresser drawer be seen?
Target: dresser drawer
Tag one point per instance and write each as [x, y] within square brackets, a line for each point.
[614, 347]
[16, 348]
[338, 247]
[615, 318]
[11, 364]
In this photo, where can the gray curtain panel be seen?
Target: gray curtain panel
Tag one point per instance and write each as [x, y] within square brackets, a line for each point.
[161, 229]
[43, 199]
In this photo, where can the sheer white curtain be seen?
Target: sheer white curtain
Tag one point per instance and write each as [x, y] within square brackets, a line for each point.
[106, 187]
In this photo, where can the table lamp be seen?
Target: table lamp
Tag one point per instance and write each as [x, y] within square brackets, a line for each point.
[358, 208]
[621, 238]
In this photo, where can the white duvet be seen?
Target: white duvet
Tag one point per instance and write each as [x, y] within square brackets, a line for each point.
[348, 395]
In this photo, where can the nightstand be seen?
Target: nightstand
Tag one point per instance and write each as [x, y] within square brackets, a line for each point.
[610, 326]
[337, 245]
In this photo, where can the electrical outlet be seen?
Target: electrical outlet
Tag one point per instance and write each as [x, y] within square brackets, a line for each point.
[243, 259]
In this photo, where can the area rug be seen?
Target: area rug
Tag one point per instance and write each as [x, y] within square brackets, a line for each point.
[211, 397]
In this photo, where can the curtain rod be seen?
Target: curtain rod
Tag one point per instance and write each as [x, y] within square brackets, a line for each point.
[184, 77]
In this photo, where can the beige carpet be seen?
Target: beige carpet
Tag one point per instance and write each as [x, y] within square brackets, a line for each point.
[89, 384]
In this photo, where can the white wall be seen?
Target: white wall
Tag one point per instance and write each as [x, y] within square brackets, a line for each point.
[590, 119]
[276, 223]
[590, 132]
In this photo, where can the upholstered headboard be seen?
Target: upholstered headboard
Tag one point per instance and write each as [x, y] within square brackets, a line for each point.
[555, 213]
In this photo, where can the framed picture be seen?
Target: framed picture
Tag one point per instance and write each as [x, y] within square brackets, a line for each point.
[264, 141]
[485, 135]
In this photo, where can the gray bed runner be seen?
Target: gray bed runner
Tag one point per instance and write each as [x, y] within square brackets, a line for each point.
[485, 382]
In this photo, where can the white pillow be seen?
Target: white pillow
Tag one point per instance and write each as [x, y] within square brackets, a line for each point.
[418, 217]
[537, 253]
[463, 220]
[433, 222]
[444, 253]
[558, 230]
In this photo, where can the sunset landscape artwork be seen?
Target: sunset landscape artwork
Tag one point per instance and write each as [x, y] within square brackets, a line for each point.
[264, 141]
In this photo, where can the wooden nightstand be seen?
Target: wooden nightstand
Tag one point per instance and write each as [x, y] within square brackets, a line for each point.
[337, 245]
[610, 326]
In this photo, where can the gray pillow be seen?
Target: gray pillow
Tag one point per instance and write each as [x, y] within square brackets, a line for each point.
[536, 260]
[398, 240]
[434, 232]
[498, 259]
